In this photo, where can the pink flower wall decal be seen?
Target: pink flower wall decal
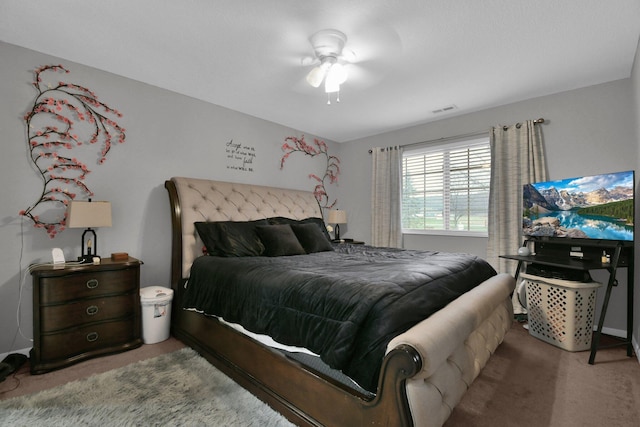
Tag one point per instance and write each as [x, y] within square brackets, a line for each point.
[64, 116]
[331, 172]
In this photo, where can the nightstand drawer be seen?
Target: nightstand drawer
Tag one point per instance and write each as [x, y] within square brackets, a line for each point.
[86, 285]
[86, 339]
[57, 317]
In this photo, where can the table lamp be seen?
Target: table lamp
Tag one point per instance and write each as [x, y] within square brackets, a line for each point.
[89, 215]
[337, 217]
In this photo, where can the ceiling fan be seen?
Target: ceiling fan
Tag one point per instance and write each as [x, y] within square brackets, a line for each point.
[334, 60]
[330, 61]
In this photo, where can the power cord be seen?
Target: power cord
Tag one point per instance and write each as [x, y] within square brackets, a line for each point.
[20, 288]
[11, 364]
[6, 366]
[15, 387]
[27, 271]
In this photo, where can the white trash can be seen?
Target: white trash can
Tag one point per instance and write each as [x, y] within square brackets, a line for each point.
[156, 313]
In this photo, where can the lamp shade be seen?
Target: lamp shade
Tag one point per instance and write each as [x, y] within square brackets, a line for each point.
[337, 217]
[89, 214]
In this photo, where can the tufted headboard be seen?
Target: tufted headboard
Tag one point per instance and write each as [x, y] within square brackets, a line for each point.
[195, 200]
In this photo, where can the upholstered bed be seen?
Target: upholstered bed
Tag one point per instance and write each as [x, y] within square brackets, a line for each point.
[424, 370]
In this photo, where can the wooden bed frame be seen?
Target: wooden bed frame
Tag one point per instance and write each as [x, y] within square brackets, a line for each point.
[424, 374]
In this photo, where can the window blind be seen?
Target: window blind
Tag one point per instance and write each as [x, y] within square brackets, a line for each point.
[446, 187]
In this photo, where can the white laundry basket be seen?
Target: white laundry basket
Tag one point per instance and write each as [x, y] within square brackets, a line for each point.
[156, 313]
[561, 312]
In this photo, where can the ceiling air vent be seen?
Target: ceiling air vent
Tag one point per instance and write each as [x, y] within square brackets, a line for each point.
[445, 109]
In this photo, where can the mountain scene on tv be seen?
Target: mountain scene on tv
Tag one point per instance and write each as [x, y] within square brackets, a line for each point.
[590, 207]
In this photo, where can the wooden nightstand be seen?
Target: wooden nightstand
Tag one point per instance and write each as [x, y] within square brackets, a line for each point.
[80, 312]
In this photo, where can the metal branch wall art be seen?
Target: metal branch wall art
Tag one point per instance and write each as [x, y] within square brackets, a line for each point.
[65, 117]
[331, 172]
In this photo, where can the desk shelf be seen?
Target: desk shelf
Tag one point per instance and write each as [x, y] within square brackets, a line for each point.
[556, 253]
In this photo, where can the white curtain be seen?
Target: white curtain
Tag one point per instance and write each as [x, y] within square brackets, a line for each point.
[517, 158]
[386, 191]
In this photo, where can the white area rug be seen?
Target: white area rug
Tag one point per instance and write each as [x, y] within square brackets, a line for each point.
[175, 389]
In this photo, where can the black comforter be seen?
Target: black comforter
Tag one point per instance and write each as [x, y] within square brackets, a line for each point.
[345, 305]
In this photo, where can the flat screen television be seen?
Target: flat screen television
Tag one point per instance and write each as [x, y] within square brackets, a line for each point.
[589, 207]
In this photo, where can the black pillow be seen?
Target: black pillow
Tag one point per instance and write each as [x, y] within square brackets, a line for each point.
[231, 238]
[279, 240]
[311, 238]
[318, 221]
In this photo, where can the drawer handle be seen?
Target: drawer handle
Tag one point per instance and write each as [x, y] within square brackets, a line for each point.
[92, 284]
[92, 336]
[92, 310]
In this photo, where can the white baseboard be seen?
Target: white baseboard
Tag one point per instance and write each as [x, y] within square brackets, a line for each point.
[24, 351]
[613, 332]
[623, 334]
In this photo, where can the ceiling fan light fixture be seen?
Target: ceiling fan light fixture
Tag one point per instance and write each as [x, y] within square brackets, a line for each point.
[331, 86]
[328, 46]
[317, 74]
[335, 77]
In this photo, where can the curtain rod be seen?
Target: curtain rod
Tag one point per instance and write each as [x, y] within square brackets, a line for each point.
[465, 135]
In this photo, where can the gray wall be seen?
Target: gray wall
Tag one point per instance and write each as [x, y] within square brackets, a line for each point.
[635, 91]
[167, 135]
[587, 131]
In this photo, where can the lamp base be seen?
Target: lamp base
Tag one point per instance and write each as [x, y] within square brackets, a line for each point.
[87, 259]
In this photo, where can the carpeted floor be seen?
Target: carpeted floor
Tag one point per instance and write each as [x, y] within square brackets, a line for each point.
[174, 389]
[527, 383]
[22, 382]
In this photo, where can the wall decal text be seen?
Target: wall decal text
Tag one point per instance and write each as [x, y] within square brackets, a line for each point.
[240, 157]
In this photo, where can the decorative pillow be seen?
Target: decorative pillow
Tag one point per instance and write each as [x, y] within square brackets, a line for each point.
[279, 240]
[318, 221]
[311, 238]
[231, 238]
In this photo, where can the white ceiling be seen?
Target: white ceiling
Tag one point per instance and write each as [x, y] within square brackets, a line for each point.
[414, 56]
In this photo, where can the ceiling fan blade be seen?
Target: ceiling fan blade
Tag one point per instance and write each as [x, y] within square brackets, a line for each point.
[377, 43]
[368, 55]
[308, 61]
[362, 77]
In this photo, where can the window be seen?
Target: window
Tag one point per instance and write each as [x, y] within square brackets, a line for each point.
[445, 188]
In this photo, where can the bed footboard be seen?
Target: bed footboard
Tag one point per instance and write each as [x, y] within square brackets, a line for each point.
[424, 374]
[301, 395]
[455, 344]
